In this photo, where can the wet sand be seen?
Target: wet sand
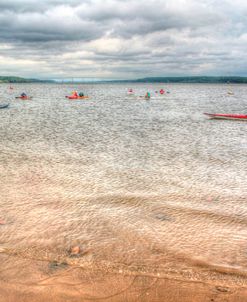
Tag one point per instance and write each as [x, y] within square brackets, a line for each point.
[60, 282]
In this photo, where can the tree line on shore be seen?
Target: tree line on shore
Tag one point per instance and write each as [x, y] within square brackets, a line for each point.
[185, 79]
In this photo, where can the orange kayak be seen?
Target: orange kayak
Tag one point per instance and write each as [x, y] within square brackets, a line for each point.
[77, 97]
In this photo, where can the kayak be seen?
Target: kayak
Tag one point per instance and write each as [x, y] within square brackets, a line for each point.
[242, 117]
[24, 97]
[77, 97]
[143, 97]
[2, 106]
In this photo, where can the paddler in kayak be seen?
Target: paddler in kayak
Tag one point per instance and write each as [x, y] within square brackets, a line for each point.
[148, 96]
[130, 91]
[23, 96]
[76, 96]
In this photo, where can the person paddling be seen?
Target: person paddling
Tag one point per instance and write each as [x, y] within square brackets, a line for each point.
[23, 95]
[130, 91]
[147, 96]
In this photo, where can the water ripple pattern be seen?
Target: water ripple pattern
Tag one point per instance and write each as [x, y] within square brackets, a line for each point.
[136, 183]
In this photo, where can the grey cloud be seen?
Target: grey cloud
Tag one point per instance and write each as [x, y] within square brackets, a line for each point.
[22, 6]
[44, 20]
[154, 37]
[45, 27]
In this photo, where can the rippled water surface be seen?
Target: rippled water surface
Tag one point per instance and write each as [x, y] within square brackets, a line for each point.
[138, 185]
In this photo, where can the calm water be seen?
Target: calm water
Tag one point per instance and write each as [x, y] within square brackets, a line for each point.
[139, 185]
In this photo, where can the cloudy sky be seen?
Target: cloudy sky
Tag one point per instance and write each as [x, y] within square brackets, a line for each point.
[122, 38]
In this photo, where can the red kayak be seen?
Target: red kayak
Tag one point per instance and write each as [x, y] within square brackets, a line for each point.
[24, 97]
[242, 117]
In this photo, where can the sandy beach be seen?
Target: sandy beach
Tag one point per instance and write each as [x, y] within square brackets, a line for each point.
[68, 283]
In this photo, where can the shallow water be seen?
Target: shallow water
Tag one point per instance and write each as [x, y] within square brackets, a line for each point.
[151, 186]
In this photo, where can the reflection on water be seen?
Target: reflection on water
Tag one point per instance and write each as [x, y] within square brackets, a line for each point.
[143, 187]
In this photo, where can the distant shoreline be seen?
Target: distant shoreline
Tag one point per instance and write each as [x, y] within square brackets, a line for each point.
[163, 80]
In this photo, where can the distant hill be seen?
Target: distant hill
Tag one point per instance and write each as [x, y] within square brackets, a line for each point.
[8, 79]
[199, 79]
[188, 80]
[194, 79]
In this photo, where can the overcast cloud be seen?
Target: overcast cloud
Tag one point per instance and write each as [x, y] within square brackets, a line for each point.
[122, 38]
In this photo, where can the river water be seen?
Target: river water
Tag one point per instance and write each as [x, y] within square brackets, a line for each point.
[141, 186]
